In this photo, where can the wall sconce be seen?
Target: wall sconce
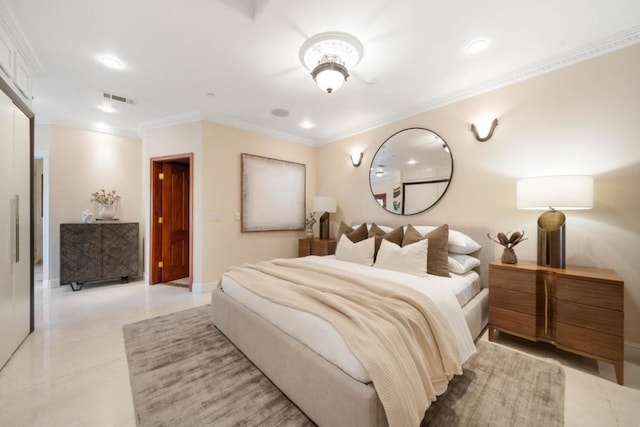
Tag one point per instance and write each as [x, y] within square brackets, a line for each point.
[356, 158]
[474, 129]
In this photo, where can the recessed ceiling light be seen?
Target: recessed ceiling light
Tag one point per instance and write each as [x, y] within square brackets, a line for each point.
[412, 161]
[306, 124]
[111, 62]
[280, 112]
[477, 45]
[107, 108]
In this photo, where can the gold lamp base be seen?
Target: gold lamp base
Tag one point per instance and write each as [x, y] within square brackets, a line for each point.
[551, 239]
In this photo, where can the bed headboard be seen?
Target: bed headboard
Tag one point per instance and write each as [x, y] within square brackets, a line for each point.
[479, 234]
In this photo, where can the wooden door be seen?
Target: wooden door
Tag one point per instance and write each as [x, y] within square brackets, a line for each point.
[175, 221]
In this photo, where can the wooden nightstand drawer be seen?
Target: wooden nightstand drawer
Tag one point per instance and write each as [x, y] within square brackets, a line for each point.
[513, 300]
[596, 318]
[513, 322]
[304, 247]
[323, 247]
[590, 293]
[515, 280]
[318, 247]
[588, 341]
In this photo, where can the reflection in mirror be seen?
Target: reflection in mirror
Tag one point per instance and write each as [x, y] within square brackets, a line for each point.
[411, 171]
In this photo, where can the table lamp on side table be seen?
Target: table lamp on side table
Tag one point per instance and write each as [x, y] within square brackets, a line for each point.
[566, 192]
[326, 205]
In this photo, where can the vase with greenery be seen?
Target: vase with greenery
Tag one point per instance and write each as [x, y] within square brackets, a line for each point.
[309, 222]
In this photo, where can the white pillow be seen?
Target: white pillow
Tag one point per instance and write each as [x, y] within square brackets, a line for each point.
[459, 243]
[462, 264]
[359, 253]
[410, 259]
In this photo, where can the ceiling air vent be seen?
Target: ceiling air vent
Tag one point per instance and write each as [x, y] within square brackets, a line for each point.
[118, 98]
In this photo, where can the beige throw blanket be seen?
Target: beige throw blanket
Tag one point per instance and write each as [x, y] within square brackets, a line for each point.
[396, 333]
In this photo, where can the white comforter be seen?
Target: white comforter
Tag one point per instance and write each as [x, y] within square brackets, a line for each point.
[320, 336]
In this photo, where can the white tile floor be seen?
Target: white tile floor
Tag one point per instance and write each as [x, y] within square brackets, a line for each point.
[72, 371]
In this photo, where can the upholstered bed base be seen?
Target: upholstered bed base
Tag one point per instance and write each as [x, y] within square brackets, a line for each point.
[320, 389]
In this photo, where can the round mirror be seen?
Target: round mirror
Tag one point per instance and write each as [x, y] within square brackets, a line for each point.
[411, 171]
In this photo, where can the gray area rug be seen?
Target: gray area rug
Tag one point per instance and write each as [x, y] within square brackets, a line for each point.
[184, 372]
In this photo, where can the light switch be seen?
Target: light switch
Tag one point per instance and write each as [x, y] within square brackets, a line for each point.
[237, 216]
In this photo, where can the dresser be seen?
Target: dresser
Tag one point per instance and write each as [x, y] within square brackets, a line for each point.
[318, 247]
[98, 251]
[577, 309]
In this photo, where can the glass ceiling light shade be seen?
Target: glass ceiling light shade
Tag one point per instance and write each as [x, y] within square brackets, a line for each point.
[329, 57]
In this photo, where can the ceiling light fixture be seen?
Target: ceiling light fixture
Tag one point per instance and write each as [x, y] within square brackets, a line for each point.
[477, 45]
[329, 56]
[306, 124]
[111, 62]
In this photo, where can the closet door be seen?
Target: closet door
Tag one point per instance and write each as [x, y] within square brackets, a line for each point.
[21, 188]
[15, 245]
[6, 245]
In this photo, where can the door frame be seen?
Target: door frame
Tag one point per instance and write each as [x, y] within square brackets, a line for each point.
[155, 232]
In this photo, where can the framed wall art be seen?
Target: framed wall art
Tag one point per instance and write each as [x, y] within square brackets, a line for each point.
[273, 194]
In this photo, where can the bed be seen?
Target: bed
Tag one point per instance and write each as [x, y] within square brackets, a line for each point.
[314, 382]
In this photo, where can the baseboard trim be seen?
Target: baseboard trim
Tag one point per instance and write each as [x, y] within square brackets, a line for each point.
[632, 351]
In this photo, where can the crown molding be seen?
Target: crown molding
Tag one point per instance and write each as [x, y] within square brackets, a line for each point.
[8, 21]
[227, 121]
[178, 119]
[597, 48]
[124, 133]
[196, 116]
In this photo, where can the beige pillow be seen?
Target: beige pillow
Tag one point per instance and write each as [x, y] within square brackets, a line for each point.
[437, 256]
[394, 236]
[359, 253]
[356, 235]
[410, 259]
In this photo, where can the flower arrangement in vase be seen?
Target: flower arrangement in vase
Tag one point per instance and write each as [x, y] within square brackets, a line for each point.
[107, 203]
[309, 222]
[509, 240]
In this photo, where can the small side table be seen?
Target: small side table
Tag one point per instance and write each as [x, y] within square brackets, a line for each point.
[318, 247]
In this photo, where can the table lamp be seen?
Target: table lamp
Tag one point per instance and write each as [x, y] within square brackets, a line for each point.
[324, 204]
[566, 192]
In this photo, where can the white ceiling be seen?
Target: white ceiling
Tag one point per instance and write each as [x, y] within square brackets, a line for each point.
[245, 52]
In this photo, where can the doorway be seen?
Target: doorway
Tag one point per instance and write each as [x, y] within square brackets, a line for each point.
[171, 220]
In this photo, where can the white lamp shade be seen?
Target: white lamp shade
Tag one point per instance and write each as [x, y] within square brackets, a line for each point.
[324, 204]
[564, 192]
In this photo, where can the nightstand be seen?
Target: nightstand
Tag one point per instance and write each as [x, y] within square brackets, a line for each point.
[577, 309]
[318, 247]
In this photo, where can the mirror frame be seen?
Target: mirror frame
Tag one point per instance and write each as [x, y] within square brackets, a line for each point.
[373, 159]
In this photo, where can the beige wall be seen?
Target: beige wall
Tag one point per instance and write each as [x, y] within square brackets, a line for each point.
[80, 163]
[583, 119]
[218, 241]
